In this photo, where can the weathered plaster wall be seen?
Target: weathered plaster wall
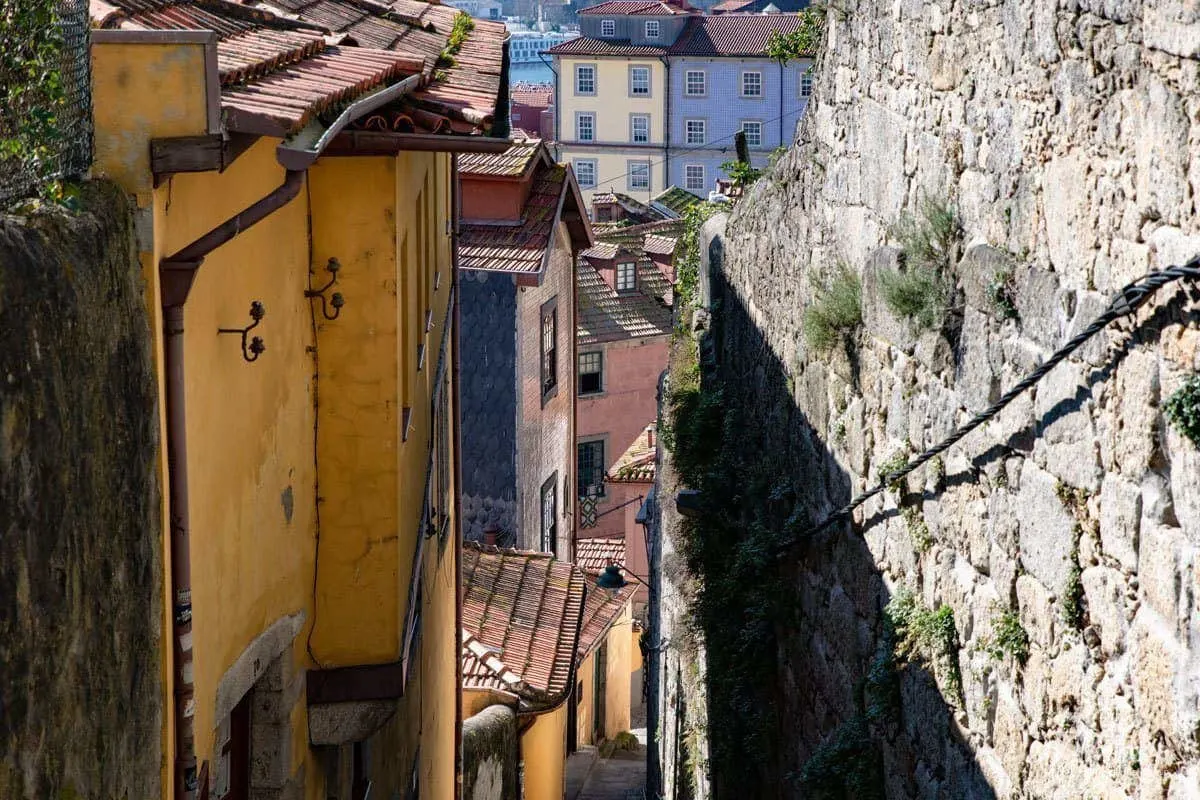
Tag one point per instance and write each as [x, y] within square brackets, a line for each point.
[1066, 134]
[490, 762]
[80, 569]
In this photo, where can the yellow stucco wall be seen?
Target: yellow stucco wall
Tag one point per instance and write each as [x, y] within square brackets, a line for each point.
[585, 716]
[255, 448]
[544, 752]
[612, 169]
[620, 670]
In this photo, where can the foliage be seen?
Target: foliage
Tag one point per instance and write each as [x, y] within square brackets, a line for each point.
[625, 740]
[1072, 601]
[928, 242]
[893, 464]
[463, 25]
[687, 264]
[742, 173]
[918, 530]
[800, 43]
[32, 94]
[1008, 638]
[1002, 291]
[927, 635]
[1183, 408]
[775, 155]
[835, 310]
[847, 766]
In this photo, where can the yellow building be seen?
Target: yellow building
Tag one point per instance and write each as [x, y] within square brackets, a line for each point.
[533, 627]
[300, 274]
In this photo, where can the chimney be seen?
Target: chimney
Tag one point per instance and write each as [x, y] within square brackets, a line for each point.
[650, 436]
[489, 534]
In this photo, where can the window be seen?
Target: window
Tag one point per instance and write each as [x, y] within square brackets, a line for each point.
[751, 84]
[651, 29]
[549, 348]
[590, 463]
[585, 127]
[585, 79]
[694, 83]
[608, 27]
[585, 172]
[591, 372]
[550, 515]
[626, 276]
[806, 83]
[639, 174]
[694, 131]
[753, 131]
[639, 128]
[639, 81]
[693, 177]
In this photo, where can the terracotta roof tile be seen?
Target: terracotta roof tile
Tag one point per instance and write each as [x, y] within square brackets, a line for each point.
[640, 7]
[733, 34]
[601, 609]
[526, 608]
[517, 248]
[636, 464]
[659, 245]
[587, 46]
[606, 316]
[593, 555]
[601, 251]
[513, 161]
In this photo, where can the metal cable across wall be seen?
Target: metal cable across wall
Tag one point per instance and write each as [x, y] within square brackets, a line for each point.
[45, 91]
[1125, 303]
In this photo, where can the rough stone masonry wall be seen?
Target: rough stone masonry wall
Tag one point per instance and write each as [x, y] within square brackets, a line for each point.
[491, 748]
[1067, 134]
[80, 572]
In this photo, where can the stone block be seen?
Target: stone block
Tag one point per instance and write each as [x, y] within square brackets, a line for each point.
[1120, 519]
[1046, 529]
[978, 270]
[1069, 234]
[878, 319]
[1162, 562]
[1163, 672]
[1104, 589]
[1136, 390]
[1056, 772]
[1038, 612]
[1010, 733]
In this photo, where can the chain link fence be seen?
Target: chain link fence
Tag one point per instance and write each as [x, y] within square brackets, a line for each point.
[45, 95]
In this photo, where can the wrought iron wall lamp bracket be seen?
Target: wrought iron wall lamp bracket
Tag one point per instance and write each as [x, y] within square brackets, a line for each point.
[253, 348]
[335, 300]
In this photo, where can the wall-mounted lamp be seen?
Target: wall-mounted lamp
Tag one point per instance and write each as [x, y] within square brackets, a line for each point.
[254, 348]
[611, 579]
[335, 301]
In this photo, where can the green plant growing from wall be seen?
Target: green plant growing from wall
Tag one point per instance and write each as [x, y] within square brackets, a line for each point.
[846, 765]
[742, 173]
[892, 464]
[836, 310]
[918, 529]
[1183, 408]
[687, 264]
[1008, 637]
[1002, 292]
[928, 635]
[922, 288]
[1072, 600]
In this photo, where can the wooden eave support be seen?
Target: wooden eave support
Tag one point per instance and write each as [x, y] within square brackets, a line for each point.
[208, 153]
[356, 684]
[383, 143]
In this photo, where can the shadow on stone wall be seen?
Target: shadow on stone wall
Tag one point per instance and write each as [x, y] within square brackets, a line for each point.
[802, 650]
[80, 536]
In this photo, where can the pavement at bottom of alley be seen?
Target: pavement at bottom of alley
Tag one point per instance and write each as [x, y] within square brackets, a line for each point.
[621, 777]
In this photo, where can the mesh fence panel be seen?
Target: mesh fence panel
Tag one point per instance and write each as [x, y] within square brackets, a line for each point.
[45, 94]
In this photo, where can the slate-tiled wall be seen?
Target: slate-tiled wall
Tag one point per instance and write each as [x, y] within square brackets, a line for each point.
[489, 403]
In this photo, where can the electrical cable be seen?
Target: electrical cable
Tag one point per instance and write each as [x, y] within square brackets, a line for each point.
[1123, 304]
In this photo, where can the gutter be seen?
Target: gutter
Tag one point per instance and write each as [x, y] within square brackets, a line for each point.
[302, 149]
[456, 412]
[666, 125]
[176, 274]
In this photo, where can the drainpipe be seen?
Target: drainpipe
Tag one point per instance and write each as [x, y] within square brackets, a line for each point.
[781, 102]
[454, 399]
[176, 275]
[666, 124]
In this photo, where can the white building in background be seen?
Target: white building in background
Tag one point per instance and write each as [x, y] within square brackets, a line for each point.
[525, 46]
[480, 9]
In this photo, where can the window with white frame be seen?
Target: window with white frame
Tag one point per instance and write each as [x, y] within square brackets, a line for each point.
[639, 81]
[651, 29]
[585, 79]
[585, 127]
[639, 174]
[585, 172]
[639, 128]
[806, 83]
[693, 177]
[694, 83]
[694, 130]
[753, 131]
[550, 515]
[591, 372]
[752, 84]
[608, 27]
[626, 276]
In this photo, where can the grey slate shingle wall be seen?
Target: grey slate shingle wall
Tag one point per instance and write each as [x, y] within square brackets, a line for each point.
[489, 403]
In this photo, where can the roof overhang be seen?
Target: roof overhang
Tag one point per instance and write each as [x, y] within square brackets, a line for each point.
[385, 143]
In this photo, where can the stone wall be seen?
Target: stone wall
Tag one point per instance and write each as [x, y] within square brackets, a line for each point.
[1065, 135]
[80, 534]
[490, 755]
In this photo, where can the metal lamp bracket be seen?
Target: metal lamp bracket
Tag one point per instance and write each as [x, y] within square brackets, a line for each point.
[252, 347]
[335, 300]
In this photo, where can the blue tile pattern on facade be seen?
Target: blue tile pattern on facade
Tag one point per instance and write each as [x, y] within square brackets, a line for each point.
[489, 400]
[724, 109]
